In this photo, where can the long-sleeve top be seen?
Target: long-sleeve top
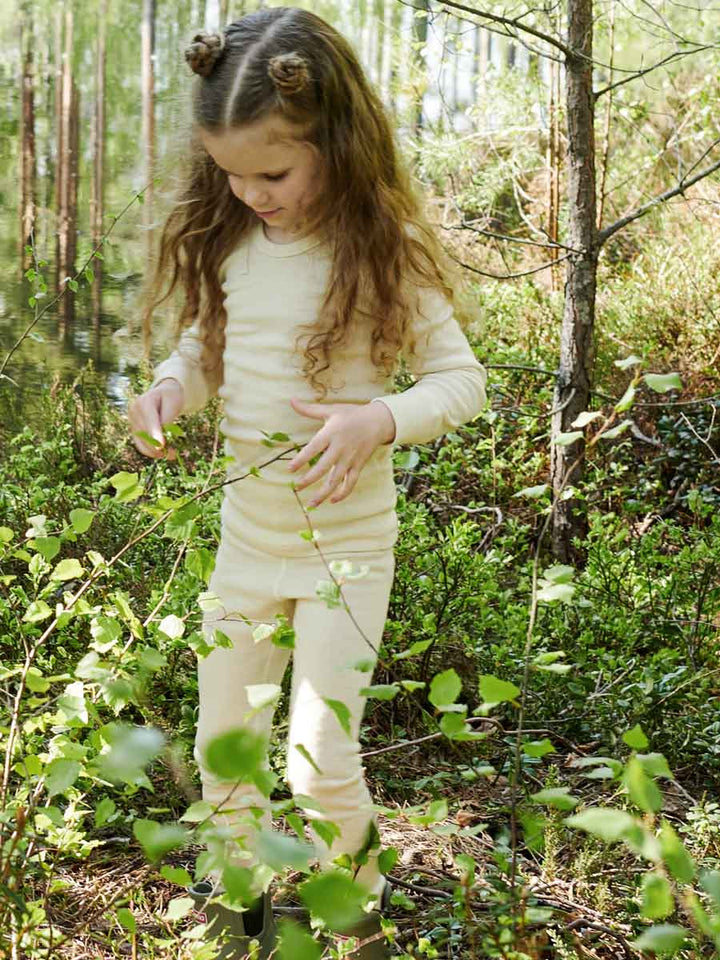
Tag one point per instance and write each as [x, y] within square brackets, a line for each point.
[270, 289]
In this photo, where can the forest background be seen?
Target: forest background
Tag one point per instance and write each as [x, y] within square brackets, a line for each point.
[542, 734]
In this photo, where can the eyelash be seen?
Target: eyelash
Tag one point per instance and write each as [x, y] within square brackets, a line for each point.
[268, 176]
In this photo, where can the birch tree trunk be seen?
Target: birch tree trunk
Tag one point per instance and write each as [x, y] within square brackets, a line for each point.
[419, 35]
[572, 390]
[147, 36]
[67, 176]
[27, 143]
[98, 156]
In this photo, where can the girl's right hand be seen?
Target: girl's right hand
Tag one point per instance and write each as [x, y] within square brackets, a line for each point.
[151, 411]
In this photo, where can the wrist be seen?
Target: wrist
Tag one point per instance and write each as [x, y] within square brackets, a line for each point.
[385, 421]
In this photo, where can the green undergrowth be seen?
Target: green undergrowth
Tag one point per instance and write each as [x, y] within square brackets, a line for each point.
[622, 662]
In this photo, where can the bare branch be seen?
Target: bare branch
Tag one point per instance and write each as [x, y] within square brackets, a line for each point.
[605, 234]
[641, 73]
[507, 276]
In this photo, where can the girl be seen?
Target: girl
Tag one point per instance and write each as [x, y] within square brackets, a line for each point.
[298, 223]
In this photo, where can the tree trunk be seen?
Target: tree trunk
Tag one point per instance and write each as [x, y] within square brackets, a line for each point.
[63, 260]
[27, 144]
[98, 157]
[419, 35]
[572, 390]
[396, 53]
[147, 34]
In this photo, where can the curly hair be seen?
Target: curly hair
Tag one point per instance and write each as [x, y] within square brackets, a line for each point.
[289, 63]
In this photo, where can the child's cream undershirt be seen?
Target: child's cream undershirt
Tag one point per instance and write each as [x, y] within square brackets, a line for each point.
[270, 289]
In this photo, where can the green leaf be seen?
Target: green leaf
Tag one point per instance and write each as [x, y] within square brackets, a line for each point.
[616, 431]
[630, 361]
[334, 897]
[172, 626]
[387, 859]
[238, 883]
[533, 492]
[566, 439]
[412, 685]
[126, 919]
[445, 688]
[664, 938]
[35, 681]
[342, 713]
[61, 774]
[279, 850]
[657, 897]
[586, 417]
[105, 632]
[643, 791]
[81, 519]
[538, 748]
[67, 570]
[437, 810]
[126, 486]
[130, 750]
[710, 882]
[180, 525]
[420, 646]
[635, 738]
[494, 690]
[200, 562]
[380, 691]
[327, 830]
[604, 822]
[72, 704]
[627, 399]
[558, 797]
[48, 547]
[179, 907]
[37, 612]
[655, 765]
[104, 810]
[662, 382]
[237, 754]
[294, 943]
[677, 859]
[197, 811]
[304, 752]
[157, 839]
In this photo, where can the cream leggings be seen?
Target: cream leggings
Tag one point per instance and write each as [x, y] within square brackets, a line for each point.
[327, 645]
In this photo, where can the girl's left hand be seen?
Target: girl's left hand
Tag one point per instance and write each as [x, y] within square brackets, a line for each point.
[350, 436]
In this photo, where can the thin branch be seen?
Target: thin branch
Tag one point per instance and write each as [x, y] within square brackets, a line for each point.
[660, 63]
[684, 184]
[508, 276]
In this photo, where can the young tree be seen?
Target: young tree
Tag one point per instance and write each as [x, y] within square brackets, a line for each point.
[575, 54]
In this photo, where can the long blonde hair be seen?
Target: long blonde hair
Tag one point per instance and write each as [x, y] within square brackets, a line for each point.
[288, 62]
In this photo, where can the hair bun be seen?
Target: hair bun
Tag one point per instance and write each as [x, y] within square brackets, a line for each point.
[204, 52]
[290, 73]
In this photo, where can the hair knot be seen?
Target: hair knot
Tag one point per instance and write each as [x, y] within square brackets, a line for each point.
[290, 73]
[204, 52]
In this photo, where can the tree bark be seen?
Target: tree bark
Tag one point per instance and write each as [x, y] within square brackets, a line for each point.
[98, 155]
[64, 255]
[419, 35]
[27, 143]
[572, 390]
[147, 35]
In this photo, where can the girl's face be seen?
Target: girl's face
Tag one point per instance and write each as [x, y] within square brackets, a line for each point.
[272, 173]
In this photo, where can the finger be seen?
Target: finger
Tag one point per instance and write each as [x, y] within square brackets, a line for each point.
[334, 480]
[311, 449]
[345, 488]
[318, 470]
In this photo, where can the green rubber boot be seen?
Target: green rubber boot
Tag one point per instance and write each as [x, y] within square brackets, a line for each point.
[230, 926]
[370, 926]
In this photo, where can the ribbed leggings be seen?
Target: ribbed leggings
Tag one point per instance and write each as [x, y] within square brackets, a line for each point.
[327, 646]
